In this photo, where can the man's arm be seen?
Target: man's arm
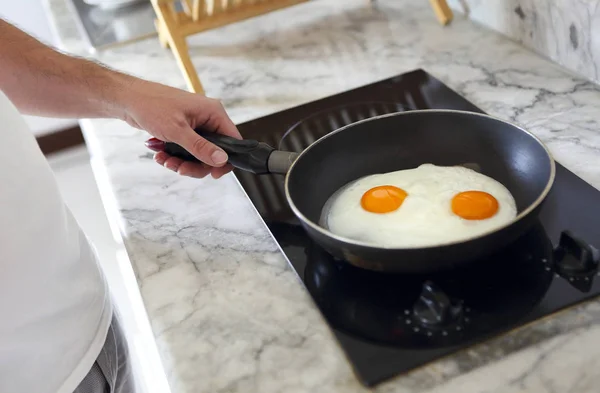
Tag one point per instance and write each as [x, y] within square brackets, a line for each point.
[41, 81]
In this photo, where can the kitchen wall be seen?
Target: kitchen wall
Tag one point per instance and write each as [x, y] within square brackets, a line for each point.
[30, 15]
[566, 31]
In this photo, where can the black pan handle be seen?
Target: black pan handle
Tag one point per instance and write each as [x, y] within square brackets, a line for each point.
[247, 154]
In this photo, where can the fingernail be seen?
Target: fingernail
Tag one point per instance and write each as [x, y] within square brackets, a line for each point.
[219, 157]
[155, 144]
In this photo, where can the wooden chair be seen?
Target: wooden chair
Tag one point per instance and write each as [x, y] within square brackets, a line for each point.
[177, 19]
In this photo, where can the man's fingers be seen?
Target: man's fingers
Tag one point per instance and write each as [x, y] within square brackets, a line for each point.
[203, 149]
[186, 168]
[161, 157]
[212, 116]
[194, 169]
[173, 163]
[217, 173]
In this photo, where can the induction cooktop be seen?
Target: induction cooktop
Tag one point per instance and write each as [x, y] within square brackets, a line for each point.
[389, 324]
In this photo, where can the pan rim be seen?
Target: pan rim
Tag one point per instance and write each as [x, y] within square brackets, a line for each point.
[353, 242]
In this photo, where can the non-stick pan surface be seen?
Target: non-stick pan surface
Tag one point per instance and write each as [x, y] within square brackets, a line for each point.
[398, 141]
[405, 140]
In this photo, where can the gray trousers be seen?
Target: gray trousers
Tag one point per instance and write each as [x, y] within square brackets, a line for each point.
[111, 373]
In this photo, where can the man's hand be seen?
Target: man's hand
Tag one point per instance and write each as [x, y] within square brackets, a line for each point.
[41, 81]
[171, 115]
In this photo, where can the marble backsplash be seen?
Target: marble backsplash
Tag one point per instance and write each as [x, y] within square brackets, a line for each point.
[566, 31]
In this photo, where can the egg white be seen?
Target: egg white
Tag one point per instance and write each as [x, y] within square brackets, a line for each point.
[425, 218]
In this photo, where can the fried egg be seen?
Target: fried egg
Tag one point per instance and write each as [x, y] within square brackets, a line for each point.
[421, 207]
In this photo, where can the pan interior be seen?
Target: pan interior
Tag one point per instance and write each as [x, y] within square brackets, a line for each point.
[402, 141]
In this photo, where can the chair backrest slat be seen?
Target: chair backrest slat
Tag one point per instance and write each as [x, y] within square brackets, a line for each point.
[198, 9]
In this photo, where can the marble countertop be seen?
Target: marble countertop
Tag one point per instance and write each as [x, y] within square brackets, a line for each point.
[227, 312]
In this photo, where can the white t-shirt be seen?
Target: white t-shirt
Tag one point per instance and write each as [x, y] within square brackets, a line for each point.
[55, 307]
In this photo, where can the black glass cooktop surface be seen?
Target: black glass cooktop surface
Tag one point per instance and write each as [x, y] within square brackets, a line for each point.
[389, 324]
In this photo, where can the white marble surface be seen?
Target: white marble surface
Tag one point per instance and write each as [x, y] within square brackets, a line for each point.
[227, 312]
[566, 31]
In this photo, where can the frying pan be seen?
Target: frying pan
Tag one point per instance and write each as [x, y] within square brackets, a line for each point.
[403, 140]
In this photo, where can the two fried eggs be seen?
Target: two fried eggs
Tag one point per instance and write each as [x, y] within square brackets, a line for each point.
[425, 206]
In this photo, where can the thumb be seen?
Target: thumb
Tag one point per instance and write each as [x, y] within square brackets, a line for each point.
[203, 150]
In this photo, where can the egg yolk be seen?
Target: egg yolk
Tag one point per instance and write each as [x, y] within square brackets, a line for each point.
[474, 205]
[383, 199]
